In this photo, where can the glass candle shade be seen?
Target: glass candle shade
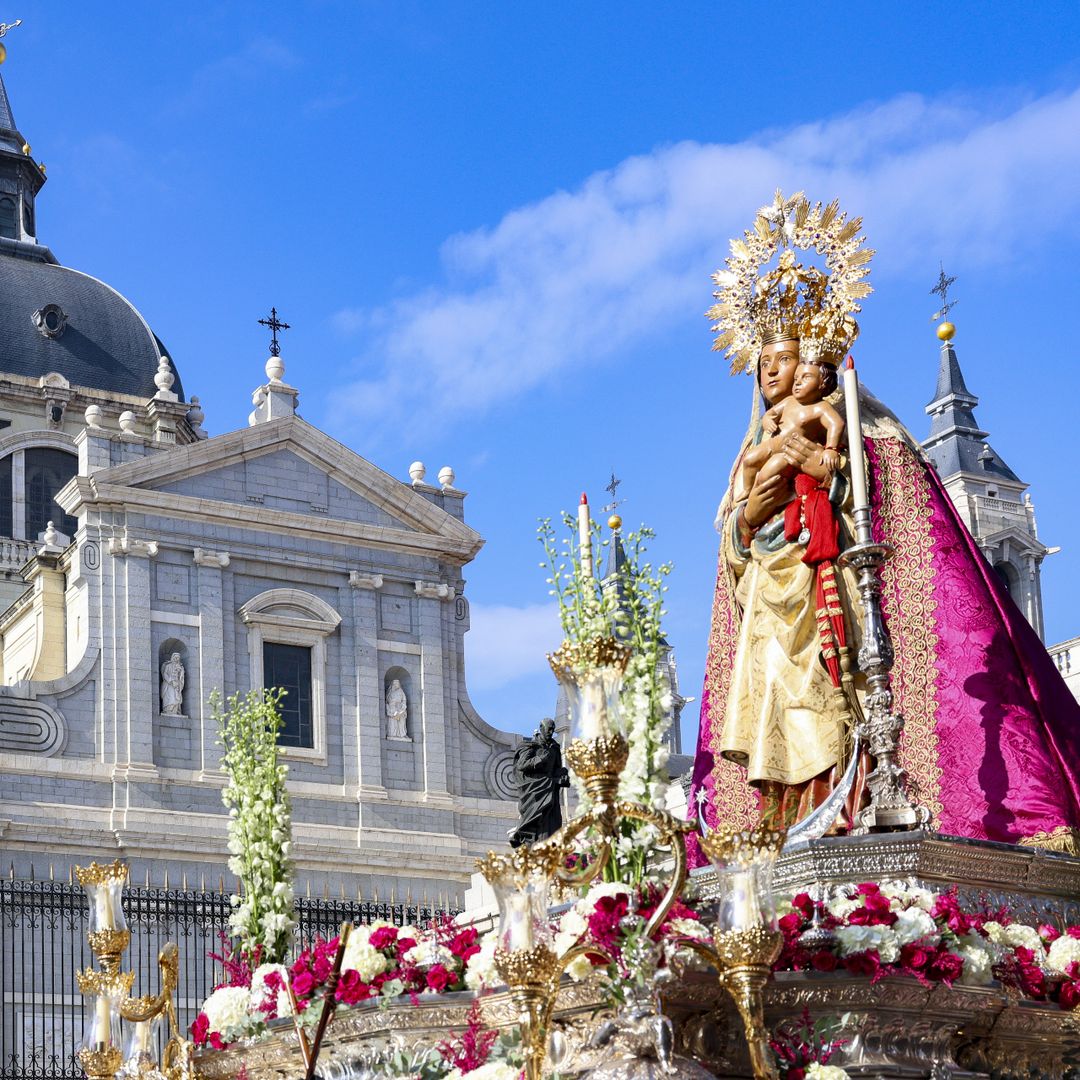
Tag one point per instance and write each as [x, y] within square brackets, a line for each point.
[744, 862]
[140, 1040]
[102, 1021]
[522, 885]
[591, 675]
[104, 887]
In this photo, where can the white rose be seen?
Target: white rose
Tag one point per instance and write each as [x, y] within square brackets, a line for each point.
[817, 1071]
[855, 939]
[914, 924]
[978, 960]
[363, 958]
[227, 1008]
[1062, 953]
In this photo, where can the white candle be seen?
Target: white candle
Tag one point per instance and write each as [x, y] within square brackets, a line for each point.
[104, 1035]
[859, 492]
[520, 931]
[103, 908]
[585, 536]
[141, 1042]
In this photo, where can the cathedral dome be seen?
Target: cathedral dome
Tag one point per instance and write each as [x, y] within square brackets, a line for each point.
[53, 318]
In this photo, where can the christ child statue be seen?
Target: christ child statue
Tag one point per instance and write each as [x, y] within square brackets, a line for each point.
[806, 412]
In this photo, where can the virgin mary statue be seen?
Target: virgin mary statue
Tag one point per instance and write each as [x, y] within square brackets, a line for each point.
[991, 739]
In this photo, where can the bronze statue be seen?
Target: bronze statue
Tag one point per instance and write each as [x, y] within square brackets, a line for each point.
[540, 776]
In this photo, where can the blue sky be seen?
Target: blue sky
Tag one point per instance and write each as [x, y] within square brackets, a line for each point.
[492, 227]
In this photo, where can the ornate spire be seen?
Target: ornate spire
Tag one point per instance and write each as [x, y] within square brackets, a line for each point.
[24, 179]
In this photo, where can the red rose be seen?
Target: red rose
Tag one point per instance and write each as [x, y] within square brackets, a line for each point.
[868, 888]
[1024, 955]
[915, 956]
[1049, 933]
[1069, 995]
[383, 937]
[824, 961]
[947, 966]
[1073, 931]
[405, 944]
[463, 945]
[200, 1028]
[351, 988]
[798, 1073]
[216, 1041]
[303, 983]
[863, 963]
[438, 978]
[321, 968]
[803, 903]
[790, 923]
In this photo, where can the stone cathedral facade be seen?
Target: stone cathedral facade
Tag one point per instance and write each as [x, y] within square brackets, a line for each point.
[144, 565]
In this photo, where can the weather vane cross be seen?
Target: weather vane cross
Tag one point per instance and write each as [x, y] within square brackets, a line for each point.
[942, 289]
[612, 489]
[275, 324]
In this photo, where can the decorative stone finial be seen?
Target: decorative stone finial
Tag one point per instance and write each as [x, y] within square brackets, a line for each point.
[275, 368]
[195, 417]
[446, 476]
[93, 416]
[164, 378]
[127, 422]
[51, 535]
[417, 472]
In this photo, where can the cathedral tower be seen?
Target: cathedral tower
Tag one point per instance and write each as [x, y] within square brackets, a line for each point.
[990, 497]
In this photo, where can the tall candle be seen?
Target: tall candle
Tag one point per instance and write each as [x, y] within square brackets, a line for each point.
[102, 1008]
[860, 495]
[585, 536]
[103, 908]
[140, 1044]
[520, 931]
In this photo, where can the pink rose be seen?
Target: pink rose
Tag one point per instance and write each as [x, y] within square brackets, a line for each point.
[438, 978]
[383, 937]
[200, 1029]
[303, 983]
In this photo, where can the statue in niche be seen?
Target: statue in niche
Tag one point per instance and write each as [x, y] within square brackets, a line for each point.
[540, 776]
[397, 712]
[172, 686]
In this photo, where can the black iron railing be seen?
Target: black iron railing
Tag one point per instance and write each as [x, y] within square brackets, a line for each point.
[43, 944]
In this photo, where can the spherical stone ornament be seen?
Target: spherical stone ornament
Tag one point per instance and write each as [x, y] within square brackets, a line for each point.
[93, 416]
[195, 414]
[127, 422]
[946, 331]
[275, 368]
[446, 476]
[417, 472]
[164, 378]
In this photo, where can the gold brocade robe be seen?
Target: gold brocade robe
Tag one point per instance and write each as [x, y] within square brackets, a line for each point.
[783, 721]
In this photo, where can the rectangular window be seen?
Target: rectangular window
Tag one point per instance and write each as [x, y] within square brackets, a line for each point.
[289, 667]
[6, 516]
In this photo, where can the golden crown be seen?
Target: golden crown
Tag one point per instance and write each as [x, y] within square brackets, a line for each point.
[816, 306]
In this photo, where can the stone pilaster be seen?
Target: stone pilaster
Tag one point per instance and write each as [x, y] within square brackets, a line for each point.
[364, 761]
[209, 567]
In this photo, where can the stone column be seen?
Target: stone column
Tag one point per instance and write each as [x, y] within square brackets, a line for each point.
[137, 666]
[210, 565]
[364, 767]
[18, 495]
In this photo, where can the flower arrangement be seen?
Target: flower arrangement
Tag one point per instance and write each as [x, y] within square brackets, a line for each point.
[898, 928]
[804, 1047]
[628, 605]
[260, 827]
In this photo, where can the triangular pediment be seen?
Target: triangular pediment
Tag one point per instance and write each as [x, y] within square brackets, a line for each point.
[288, 467]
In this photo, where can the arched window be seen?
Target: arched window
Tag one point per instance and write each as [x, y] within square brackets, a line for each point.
[1009, 578]
[8, 225]
[47, 471]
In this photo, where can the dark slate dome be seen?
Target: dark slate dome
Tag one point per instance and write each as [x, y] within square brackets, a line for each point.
[53, 318]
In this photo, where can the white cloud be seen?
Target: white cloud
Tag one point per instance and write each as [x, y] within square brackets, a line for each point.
[506, 643]
[569, 281]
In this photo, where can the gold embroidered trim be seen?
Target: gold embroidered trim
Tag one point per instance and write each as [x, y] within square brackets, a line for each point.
[1064, 839]
[908, 599]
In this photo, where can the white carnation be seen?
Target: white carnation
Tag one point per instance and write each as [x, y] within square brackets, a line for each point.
[880, 939]
[363, 958]
[842, 906]
[579, 968]
[914, 924]
[995, 932]
[817, 1071]
[227, 1009]
[1062, 953]
[978, 955]
[1020, 936]
[259, 990]
[480, 970]
[905, 895]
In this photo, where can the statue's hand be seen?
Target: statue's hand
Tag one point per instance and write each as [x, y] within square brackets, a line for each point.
[766, 499]
[805, 455]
